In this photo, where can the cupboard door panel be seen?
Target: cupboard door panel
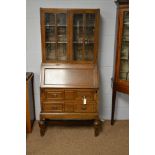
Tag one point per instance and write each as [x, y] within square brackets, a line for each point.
[78, 36]
[124, 51]
[89, 36]
[84, 34]
[50, 51]
[54, 36]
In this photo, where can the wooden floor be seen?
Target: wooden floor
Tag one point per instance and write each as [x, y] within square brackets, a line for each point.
[80, 140]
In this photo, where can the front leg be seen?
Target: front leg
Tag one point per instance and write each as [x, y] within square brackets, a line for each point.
[97, 126]
[42, 125]
[113, 106]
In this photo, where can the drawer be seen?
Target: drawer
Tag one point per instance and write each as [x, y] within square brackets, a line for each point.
[85, 108]
[54, 107]
[89, 95]
[70, 95]
[69, 107]
[79, 94]
[54, 95]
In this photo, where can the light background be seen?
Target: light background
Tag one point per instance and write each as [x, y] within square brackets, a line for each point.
[106, 50]
[13, 85]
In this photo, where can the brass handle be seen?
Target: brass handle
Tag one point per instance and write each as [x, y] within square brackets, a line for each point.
[84, 103]
[84, 100]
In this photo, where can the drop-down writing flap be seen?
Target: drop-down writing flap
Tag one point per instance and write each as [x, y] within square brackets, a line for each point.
[69, 76]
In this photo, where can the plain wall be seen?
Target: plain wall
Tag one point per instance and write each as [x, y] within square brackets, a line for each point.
[106, 50]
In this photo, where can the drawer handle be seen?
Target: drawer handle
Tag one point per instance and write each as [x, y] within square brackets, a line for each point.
[84, 100]
[84, 103]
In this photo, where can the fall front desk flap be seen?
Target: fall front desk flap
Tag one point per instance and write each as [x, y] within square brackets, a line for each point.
[69, 76]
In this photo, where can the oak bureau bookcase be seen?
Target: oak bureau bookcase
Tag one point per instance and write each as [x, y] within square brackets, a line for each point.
[69, 71]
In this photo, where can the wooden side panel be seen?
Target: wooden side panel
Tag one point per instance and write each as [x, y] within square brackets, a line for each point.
[30, 107]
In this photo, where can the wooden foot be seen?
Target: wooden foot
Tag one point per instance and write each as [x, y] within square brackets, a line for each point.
[97, 127]
[113, 106]
[42, 125]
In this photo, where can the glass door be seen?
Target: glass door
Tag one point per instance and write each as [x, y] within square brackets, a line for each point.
[83, 36]
[56, 36]
[78, 34]
[124, 53]
[89, 37]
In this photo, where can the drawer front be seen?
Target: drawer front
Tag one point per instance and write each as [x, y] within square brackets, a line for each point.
[54, 107]
[89, 95]
[70, 95]
[85, 108]
[54, 95]
[69, 100]
[69, 107]
[80, 94]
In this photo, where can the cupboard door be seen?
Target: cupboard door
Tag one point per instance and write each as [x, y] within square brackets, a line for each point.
[78, 36]
[84, 27]
[55, 28]
[62, 36]
[50, 36]
[124, 52]
[89, 37]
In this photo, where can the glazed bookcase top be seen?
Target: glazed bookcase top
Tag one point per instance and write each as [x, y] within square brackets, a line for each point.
[69, 35]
